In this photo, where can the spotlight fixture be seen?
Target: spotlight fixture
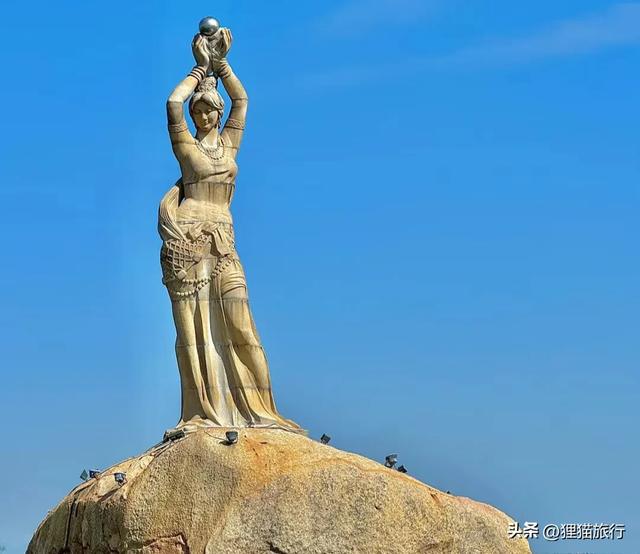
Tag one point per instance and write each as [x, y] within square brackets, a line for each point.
[232, 437]
[93, 473]
[391, 460]
[121, 478]
[402, 469]
[84, 475]
[173, 435]
[324, 439]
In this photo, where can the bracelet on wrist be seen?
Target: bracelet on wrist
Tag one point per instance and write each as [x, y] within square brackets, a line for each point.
[198, 73]
[224, 69]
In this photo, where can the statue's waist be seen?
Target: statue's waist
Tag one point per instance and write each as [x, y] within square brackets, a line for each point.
[214, 192]
[190, 211]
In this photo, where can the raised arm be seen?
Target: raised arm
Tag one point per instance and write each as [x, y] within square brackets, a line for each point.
[234, 127]
[178, 130]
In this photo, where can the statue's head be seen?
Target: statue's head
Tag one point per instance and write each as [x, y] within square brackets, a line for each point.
[206, 105]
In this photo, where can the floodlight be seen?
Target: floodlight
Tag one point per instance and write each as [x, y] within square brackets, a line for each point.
[391, 460]
[84, 475]
[232, 437]
[402, 469]
[324, 439]
[173, 435]
[121, 478]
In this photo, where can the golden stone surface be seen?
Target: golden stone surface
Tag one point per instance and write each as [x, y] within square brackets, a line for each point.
[272, 492]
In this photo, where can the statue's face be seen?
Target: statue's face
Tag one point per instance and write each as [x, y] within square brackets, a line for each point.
[204, 116]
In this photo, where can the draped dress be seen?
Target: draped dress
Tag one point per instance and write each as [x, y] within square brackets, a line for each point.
[224, 372]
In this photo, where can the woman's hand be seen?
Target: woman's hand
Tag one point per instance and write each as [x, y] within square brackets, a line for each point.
[200, 51]
[219, 49]
[224, 42]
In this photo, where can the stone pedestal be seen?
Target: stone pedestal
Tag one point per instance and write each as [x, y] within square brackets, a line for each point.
[272, 492]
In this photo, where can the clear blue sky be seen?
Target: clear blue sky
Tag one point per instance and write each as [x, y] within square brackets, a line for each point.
[437, 209]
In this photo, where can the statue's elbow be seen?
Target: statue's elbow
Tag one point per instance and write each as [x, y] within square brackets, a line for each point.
[174, 109]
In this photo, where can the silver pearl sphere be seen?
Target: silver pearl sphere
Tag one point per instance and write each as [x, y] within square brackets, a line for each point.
[209, 26]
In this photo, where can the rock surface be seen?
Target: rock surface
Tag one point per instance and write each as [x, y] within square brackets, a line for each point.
[274, 492]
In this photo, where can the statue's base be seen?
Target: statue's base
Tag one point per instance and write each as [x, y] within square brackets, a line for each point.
[195, 425]
[271, 492]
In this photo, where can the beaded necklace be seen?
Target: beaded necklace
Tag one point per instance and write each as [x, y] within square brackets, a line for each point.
[213, 152]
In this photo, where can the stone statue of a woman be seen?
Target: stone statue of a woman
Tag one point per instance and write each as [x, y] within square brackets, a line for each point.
[223, 369]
